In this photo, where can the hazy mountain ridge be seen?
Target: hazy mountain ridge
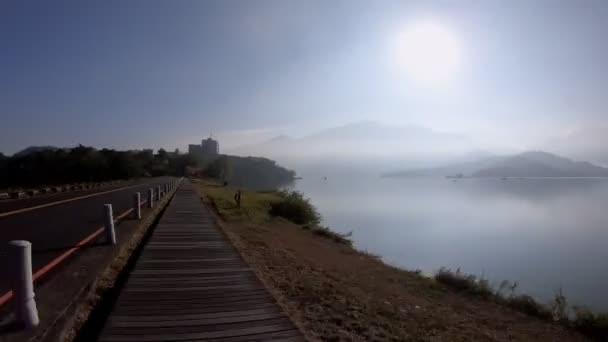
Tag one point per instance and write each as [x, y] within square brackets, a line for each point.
[527, 164]
[362, 140]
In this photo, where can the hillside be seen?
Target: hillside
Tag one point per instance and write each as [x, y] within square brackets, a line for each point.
[527, 164]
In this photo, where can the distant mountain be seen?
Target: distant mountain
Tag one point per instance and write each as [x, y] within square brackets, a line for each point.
[34, 149]
[279, 139]
[582, 143]
[368, 131]
[541, 164]
[363, 140]
[466, 168]
[527, 164]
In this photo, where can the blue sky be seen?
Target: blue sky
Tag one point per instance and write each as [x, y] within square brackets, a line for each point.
[133, 74]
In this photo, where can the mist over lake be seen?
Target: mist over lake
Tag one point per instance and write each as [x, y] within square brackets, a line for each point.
[542, 233]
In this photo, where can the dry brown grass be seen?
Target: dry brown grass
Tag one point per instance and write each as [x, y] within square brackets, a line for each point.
[337, 293]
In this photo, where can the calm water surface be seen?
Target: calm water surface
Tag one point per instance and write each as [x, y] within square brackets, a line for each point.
[543, 233]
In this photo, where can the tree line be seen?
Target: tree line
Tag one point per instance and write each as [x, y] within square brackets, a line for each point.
[38, 166]
[49, 166]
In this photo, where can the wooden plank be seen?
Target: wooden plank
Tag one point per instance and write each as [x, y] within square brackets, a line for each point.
[198, 302]
[172, 322]
[189, 263]
[259, 297]
[144, 336]
[161, 283]
[292, 335]
[190, 283]
[195, 294]
[165, 261]
[219, 306]
[185, 310]
[186, 279]
[150, 318]
[194, 288]
[194, 271]
[278, 323]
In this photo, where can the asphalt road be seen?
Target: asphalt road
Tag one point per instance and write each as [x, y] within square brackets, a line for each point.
[54, 229]
[12, 204]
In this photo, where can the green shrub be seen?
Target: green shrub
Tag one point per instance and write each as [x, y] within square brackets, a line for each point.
[296, 208]
[591, 324]
[528, 305]
[463, 282]
[480, 287]
[594, 325]
[337, 237]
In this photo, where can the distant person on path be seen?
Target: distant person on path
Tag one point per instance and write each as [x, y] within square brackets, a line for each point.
[237, 198]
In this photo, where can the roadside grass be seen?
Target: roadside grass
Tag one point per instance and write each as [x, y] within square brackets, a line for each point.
[591, 324]
[330, 234]
[263, 206]
[254, 205]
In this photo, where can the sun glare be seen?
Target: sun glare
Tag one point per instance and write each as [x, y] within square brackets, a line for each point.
[428, 52]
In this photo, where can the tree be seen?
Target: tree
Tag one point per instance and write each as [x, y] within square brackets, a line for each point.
[252, 172]
[162, 154]
[46, 166]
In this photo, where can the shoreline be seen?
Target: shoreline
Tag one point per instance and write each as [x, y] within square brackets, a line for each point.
[299, 265]
[423, 224]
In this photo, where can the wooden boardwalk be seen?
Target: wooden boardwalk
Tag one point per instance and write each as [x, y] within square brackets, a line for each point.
[190, 284]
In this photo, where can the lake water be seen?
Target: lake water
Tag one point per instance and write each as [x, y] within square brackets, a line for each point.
[542, 233]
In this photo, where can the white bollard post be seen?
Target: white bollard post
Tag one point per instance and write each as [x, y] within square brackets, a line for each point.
[26, 313]
[137, 205]
[150, 198]
[109, 224]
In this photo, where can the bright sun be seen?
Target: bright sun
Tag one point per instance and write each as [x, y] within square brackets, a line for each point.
[428, 52]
